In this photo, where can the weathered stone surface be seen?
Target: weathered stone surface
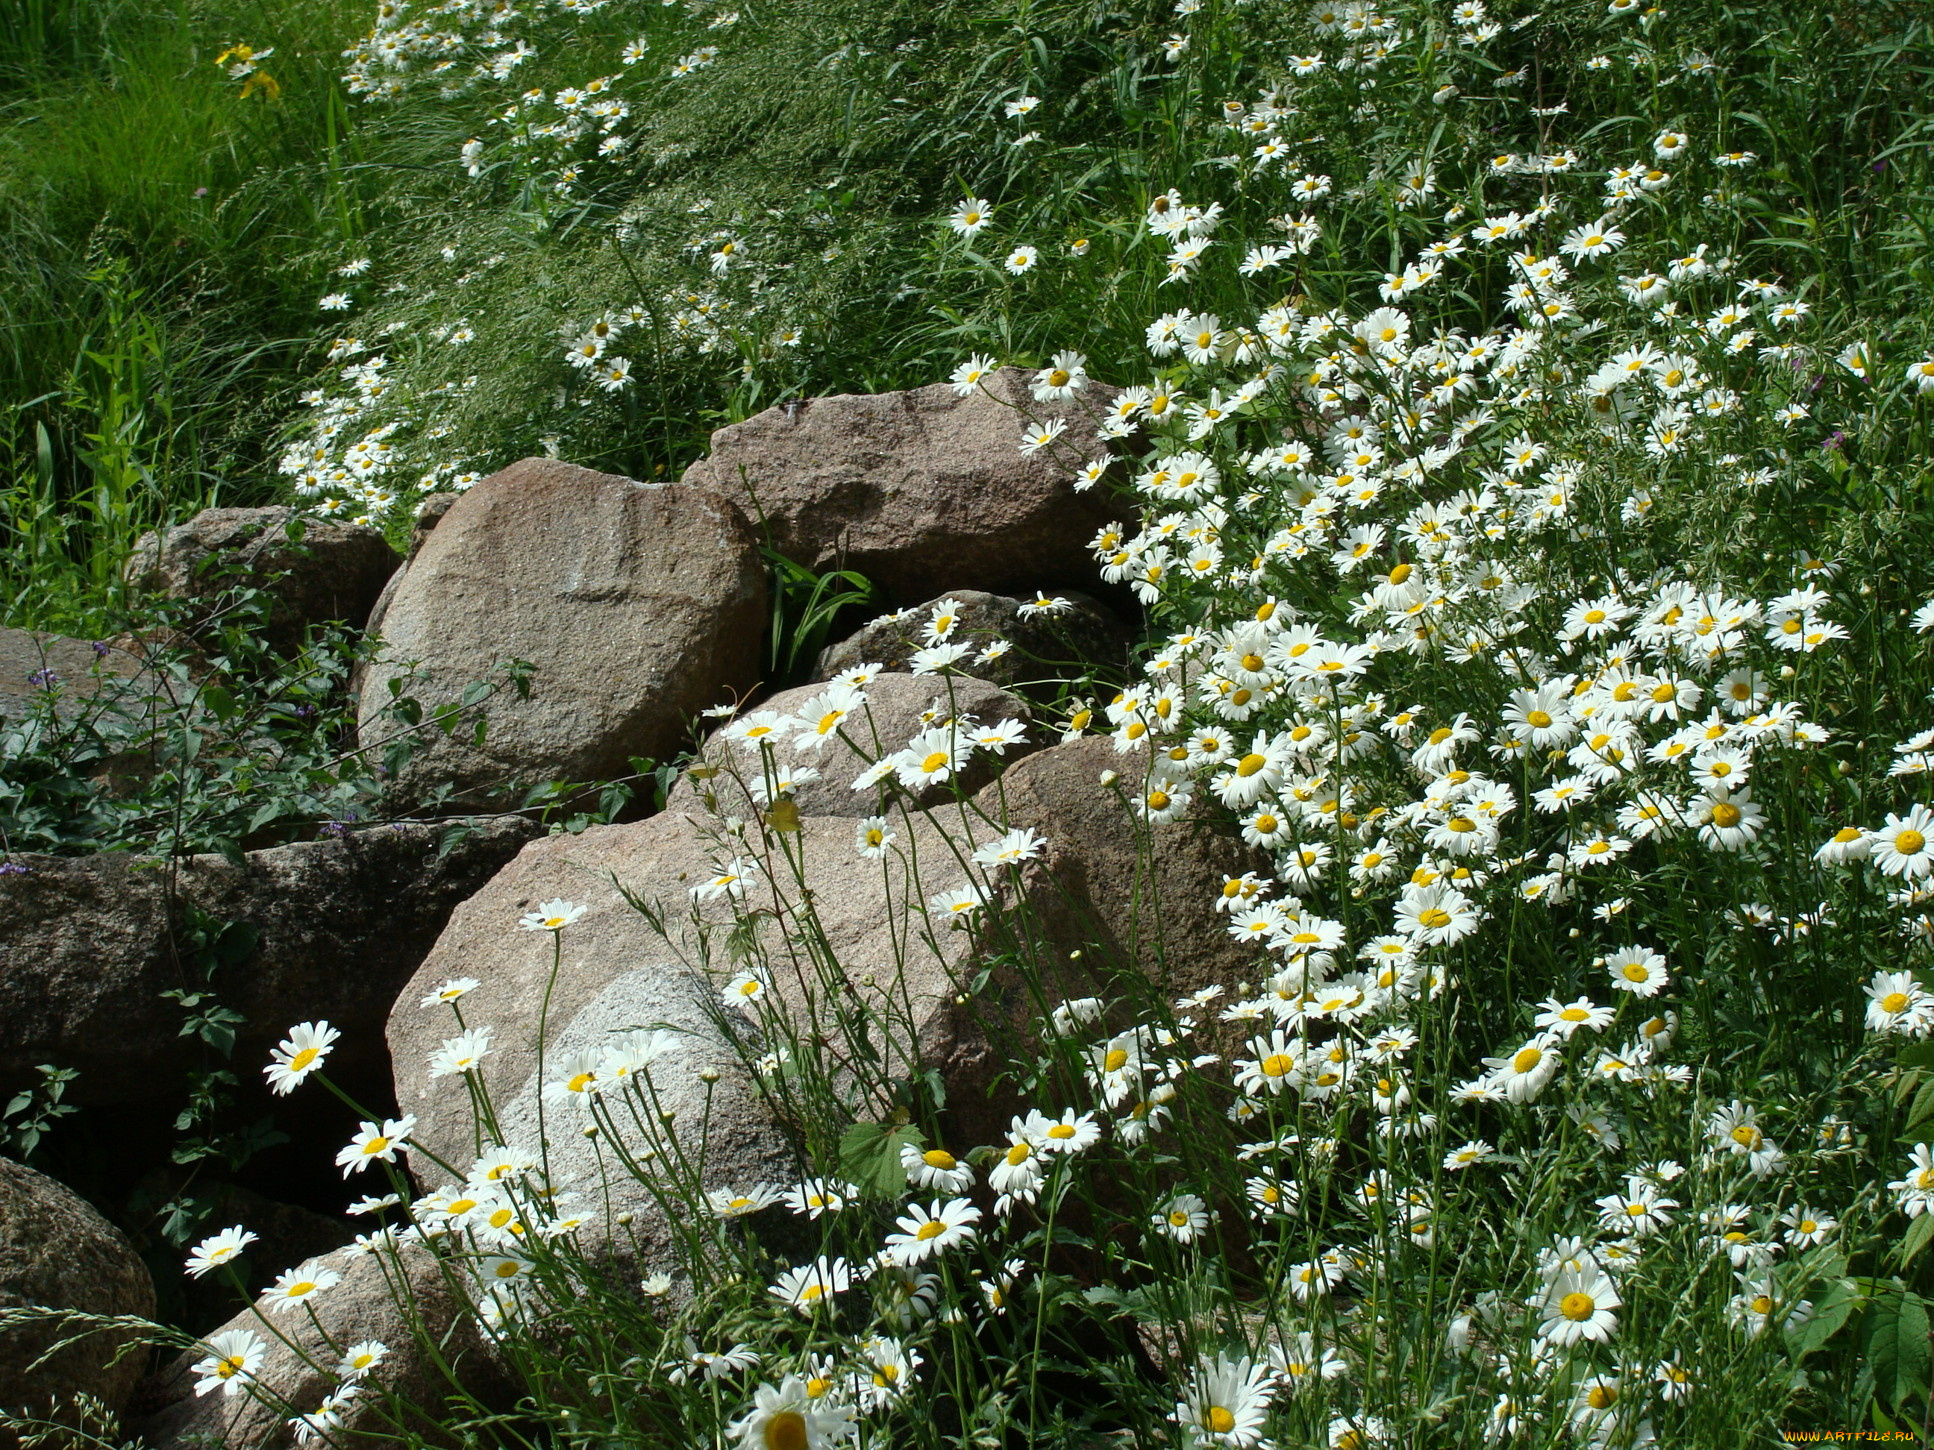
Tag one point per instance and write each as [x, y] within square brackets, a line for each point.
[921, 490]
[1047, 647]
[334, 572]
[86, 949]
[896, 704]
[429, 514]
[57, 1251]
[1145, 894]
[294, 1377]
[75, 670]
[639, 605]
[286, 1234]
[615, 973]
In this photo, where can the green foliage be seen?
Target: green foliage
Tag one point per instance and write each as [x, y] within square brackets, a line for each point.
[805, 607]
[157, 268]
[32, 1111]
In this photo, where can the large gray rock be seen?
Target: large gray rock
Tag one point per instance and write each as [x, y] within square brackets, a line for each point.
[616, 973]
[639, 605]
[87, 946]
[1145, 896]
[72, 672]
[897, 707]
[333, 572]
[921, 490]
[57, 1251]
[1048, 647]
[302, 1354]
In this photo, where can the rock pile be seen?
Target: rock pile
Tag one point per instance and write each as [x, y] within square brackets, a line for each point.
[638, 607]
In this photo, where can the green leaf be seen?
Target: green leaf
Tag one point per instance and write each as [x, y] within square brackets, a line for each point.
[1830, 1312]
[1897, 1346]
[1923, 1108]
[1918, 1233]
[869, 1156]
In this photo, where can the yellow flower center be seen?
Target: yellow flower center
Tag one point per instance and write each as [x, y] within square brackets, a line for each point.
[1910, 843]
[1537, 719]
[1116, 1060]
[1434, 917]
[1635, 972]
[934, 762]
[1894, 1002]
[937, 1158]
[1250, 764]
[933, 1228]
[1527, 1059]
[1218, 1420]
[1018, 1154]
[1602, 1397]
[303, 1058]
[1278, 1064]
[1726, 815]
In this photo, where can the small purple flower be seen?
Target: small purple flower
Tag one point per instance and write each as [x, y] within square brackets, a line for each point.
[1834, 440]
[100, 649]
[43, 679]
[304, 712]
[14, 868]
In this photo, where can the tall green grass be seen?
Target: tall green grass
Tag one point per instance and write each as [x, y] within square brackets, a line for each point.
[159, 241]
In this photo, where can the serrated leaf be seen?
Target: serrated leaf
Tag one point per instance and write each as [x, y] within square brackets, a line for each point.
[783, 815]
[869, 1156]
[1897, 1346]
[1918, 1233]
[1923, 1108]
[1830, 1311]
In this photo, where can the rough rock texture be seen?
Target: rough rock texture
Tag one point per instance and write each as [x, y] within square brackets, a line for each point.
[57, 1251]
[895, 706]
[363, 1306]
[286, 1234]
[85, 950]
[920, 490]
[80, 672]
[1047, 647]
[639, 604]
[334, 573]
[429, 514]
[1145, 894]
[616, 973]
